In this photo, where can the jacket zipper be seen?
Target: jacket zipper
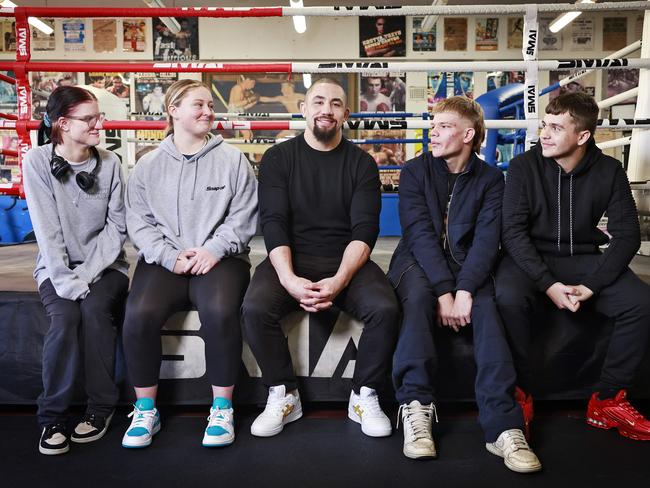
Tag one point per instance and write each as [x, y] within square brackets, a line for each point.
[451, 197]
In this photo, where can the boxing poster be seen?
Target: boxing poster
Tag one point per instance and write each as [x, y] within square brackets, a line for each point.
[382, 36]
[382, 94]
[44, 83]
[622, 80]
[585, 84]
[183, 46]
[118, 84]
[133, 35]
[443, 85]
[455, 34]
[423, 40]
[150, 89]
[41, 41]
[487, 34]
[497, 79]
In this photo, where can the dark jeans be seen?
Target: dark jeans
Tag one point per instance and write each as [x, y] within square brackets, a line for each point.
[626, 300]
[81, 333]
[157, 293]
[368, 298]
[415, 361]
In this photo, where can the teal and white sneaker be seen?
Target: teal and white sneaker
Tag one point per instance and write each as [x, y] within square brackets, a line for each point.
[145, 424]
[221, 424]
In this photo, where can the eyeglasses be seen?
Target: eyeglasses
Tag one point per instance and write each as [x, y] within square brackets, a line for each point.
[91, 120]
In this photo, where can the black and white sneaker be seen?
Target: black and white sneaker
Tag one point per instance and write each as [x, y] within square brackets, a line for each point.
[54, 440]
[91, 428]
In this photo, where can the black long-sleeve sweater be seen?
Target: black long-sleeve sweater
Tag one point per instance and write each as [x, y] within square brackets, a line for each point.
[317, 202]
[549, 212]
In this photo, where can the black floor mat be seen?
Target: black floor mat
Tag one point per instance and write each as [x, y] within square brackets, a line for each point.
[319, 451]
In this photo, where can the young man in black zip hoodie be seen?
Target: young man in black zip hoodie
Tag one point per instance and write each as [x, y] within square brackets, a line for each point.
[556, 193]
[450, 212]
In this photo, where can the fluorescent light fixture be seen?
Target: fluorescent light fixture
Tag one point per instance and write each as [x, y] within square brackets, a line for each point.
[170, 22]
[306, 80]
[565, 19]
[33, 21]
[430, 20]
[299, 22]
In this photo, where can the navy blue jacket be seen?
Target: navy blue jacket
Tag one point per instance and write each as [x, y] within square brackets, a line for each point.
[473, 227]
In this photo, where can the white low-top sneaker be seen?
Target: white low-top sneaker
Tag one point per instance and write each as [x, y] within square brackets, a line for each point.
[513, 448]
[281, 408]
[365, 410]
[418, 439]
[144, 425]
[221, 424]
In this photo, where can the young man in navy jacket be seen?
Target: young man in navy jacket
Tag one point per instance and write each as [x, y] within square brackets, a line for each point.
[555, 196]
[450, 211]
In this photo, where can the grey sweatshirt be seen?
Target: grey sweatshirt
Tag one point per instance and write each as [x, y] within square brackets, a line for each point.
[79, 234]
[174, 203]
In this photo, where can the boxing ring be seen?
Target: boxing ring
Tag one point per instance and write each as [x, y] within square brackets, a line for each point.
[322, 345]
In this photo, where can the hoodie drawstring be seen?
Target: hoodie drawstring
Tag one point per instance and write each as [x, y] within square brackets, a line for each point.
[196, 171]
[559, 209]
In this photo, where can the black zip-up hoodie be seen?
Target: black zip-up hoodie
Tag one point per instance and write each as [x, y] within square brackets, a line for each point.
[549, 212]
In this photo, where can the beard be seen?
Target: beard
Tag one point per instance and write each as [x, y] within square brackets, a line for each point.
[324, 135]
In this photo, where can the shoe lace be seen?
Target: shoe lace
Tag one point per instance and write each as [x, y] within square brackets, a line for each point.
[54, 428]
[371, 405]
[517, 440]
[142, 418]
[419, 418]
[219, 417]
[276, 404]
[627, 406]
[89, 418]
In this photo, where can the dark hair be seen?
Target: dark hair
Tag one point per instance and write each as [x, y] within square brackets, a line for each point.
[326, 81]
[61, 102]
[581, 106]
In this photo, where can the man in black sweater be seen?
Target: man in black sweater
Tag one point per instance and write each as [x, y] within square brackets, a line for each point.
[319, 210]
[555, 196]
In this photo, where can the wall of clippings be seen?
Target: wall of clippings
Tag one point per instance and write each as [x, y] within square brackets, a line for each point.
[399, 38]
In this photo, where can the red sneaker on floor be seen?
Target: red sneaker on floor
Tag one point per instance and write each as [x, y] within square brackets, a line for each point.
[526, 404]
[618, 413]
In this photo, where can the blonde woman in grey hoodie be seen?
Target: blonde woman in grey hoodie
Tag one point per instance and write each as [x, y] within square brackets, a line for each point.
[75, 198]
[191, 212]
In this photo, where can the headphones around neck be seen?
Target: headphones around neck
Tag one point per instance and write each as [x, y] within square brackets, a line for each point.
[60, 167]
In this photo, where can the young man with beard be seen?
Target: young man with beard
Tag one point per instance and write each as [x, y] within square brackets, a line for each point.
[450, 212]
[555, 196]
[319, 210]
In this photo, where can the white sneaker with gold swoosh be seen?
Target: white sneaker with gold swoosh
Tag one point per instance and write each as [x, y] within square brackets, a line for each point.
[281, 408]
[365, 410]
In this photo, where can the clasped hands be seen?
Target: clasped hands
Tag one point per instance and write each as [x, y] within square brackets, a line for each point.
[454, 311]
[313, 296]
[195, 260]
[568, 297]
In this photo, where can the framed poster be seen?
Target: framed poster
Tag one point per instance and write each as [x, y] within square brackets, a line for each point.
[423, 40]
[382, 36]
[183, 46]
[382, 93]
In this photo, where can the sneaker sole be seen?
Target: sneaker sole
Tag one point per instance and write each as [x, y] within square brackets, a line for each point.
[207, 443]
[511, 466]
[147, 443]
[292, 417]
[379, 433]
[52, 451]
[420, 457]
[96, 437]
[605, 425]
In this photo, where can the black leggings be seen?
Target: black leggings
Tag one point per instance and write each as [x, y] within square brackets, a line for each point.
[157, 293]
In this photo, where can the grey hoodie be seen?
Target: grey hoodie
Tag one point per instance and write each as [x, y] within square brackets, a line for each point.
[173, 204]
[79, 234]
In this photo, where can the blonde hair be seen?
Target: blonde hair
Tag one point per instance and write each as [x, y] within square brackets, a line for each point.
[174, 96]
[467, 109]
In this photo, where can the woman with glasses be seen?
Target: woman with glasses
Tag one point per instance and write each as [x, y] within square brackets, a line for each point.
[191, 212]
[75, 198]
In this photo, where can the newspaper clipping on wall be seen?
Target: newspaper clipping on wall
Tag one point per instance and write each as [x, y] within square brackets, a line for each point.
[74, 35]
[42, 41]
[614, 33]
[582, 34]
[104, 35]
[455, 34]
[549, 41]
[515, 32]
